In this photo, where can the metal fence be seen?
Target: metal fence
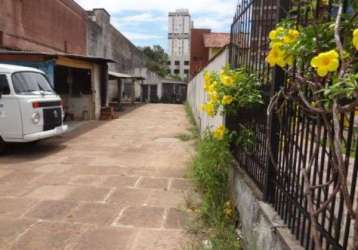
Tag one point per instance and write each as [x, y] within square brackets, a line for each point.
[296, 134]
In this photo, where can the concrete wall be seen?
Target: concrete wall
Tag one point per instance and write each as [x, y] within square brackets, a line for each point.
[43, 25]
[104, 40]
[197, 95]
[96, 85]
[261, 226]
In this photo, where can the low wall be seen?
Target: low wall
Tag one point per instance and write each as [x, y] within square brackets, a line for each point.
[261, 226]
[197, 96]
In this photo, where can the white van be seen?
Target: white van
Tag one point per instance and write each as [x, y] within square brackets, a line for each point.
[30, 110]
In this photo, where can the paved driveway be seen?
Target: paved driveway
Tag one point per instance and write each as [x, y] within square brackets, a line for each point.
[109, 185]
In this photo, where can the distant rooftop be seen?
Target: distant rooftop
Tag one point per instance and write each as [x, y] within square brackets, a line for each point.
[180, 12]
[216, 40]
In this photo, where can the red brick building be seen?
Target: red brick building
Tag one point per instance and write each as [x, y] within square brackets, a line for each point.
[204, 46]
[43, 25]
[199, 55]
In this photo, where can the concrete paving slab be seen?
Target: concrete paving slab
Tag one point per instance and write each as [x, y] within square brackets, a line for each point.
[88, 180]
[106, 239]
[95, 213]
[129, 197]
[167, 199]
[51, 192]
[159, 240]
[15, 207]
[52, 210]
[11, 229]
[146, 217]
[120, 181]
[87, 193]
[45, 235]
[153, 183]
[177, 219]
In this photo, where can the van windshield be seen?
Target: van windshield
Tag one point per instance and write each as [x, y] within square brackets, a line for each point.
[31, 83]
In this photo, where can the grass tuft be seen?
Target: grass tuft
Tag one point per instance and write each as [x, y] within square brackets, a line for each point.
[214, 227]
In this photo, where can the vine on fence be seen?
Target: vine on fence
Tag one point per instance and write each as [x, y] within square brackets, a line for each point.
[321, 62]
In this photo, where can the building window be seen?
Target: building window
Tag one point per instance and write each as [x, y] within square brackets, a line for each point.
[186, 71]
[176, 71]
[168, 62]
[177, 63]
[186, 63]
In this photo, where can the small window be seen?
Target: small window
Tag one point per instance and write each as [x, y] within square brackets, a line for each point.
[176, 71]
[4, 85]
[186, 71]
[177, 63]
[168, 62]
[186, 63]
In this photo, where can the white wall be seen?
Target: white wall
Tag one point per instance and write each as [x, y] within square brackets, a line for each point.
[197, 96]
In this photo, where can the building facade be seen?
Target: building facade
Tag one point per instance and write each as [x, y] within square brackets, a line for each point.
[204, 46]
[42, 25]
[179, 37]
[199, 54]
[51, 36]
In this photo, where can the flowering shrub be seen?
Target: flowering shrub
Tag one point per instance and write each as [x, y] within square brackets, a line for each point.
[313, 52]
[230, 90]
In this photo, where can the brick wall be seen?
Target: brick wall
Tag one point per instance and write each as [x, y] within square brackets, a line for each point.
[199, 54]
[43, 25]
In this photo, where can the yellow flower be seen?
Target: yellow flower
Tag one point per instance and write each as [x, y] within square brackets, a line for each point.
[213, 95]
[276, 57]
[291, 36]
[209, 108]
[227, 100]
[275, 34]
[326, 62]
[207, 77]
[207, 86]
[212, 87]
[219, 133]
[355, 38]
[227, 80]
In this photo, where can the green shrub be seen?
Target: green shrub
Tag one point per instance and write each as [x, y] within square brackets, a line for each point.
[210, 173]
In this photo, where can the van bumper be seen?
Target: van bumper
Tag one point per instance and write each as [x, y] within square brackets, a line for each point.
[45, 134]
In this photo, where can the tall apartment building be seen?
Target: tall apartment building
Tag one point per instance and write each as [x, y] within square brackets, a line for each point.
[179, 34]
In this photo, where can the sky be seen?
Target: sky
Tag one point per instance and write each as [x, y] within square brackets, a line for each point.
[145, 22]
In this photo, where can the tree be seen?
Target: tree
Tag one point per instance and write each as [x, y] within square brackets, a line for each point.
[157, 59]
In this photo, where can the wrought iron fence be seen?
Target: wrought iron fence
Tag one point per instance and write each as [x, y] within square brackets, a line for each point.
[296, 134]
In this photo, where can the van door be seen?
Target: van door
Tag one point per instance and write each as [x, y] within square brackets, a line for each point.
[10, 113]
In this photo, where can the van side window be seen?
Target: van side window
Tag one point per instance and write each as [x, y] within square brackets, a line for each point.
[4, 85]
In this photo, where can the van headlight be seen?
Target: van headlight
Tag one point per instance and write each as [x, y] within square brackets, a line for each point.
[36, 117]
